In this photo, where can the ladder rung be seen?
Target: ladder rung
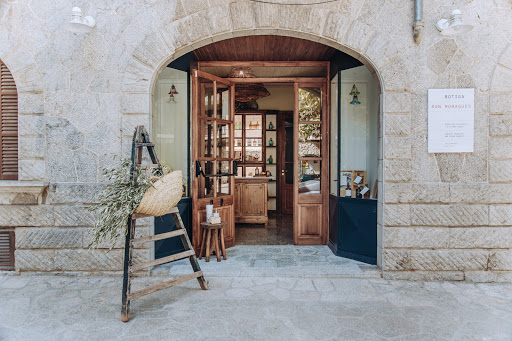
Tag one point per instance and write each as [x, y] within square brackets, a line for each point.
[160, 236]
[159, 261]
[144, 144]
[164, 285]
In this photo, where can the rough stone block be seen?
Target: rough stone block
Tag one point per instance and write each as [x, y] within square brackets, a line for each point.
[48, 238]
[140, 231]
[500, 125]
[35, 260]
[86, 165]
[408, 237]
[137, 77]
[397, 102]
[480, 237]
[475, 166]
[242, 14]
[488, 276]
[17, 215]
[61, 132]
[397, 215]
[397, 170]
[441, 260]
[292, 17]
[450, 166]
[31, 147]
[397, 147]
[135, 103]
[500, 215]
[424, 166]
[30, 103]
[397, 125]
[130, 122]
[106, 82]
[500, 170]
[499, 147]
[481, 193]
[395, 259]
[336, 25]
[73, 216]
[97, 260]
[58, 165]
[502, 79]
[74, 193]
[30, 125]
[29, 80]
[500, 260]
[417, 193]
[218, 19]
[500, 103]
[449, 215]
[427, 276]
[31, 170]
[440, 54]
[266, 15]
[358, 35]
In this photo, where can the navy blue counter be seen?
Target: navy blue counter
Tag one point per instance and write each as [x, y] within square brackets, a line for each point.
[167, 247]
[353, 228]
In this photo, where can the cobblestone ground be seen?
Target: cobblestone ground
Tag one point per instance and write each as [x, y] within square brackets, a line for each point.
[254, 308]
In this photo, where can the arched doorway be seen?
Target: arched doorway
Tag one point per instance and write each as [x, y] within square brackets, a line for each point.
[313, 177]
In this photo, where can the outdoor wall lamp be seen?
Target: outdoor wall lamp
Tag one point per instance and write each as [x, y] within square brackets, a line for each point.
[79, 24]
[453, 26]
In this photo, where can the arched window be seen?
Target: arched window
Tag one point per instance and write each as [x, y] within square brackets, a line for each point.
[8, 125]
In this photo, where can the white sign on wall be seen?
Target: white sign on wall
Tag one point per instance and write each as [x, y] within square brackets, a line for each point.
[451, 120]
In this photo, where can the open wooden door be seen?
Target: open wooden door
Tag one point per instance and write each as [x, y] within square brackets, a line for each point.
[311, 180]
[213, 107]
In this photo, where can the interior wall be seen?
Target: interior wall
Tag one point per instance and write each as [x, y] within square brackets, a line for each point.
[170, 120]
[359, 124]
[281, 98]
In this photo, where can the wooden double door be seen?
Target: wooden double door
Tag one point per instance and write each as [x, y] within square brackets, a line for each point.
[303, 175]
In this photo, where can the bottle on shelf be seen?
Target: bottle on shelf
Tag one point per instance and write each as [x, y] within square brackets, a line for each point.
[348, 191]
[271, 126]
[358, 192]
[270, 142]
[270, 159]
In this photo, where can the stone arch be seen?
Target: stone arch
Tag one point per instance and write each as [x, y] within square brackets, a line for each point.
[20, 61]
[339, 31]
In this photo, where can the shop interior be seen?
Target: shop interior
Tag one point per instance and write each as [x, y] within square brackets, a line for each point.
[263, 139]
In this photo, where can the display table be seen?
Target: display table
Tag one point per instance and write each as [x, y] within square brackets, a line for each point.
[251, 200]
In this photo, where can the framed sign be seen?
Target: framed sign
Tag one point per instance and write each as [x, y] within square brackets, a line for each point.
[451, 120]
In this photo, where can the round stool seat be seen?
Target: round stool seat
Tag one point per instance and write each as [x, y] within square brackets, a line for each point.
[212, 243]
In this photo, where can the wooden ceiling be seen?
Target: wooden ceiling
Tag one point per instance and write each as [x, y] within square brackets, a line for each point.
[264, 48]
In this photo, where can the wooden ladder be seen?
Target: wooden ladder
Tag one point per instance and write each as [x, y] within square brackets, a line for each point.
[141, 140]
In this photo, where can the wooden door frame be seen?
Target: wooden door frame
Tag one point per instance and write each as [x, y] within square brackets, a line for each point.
[281, 156]
[324, 173]
[199, 204]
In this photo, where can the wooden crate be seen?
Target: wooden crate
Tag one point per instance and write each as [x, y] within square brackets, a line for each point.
[352, 175]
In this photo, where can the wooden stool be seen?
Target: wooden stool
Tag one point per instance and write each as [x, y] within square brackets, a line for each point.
[210, 243]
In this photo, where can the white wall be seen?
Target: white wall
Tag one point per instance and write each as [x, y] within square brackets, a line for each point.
[170, 120]
[359, 132]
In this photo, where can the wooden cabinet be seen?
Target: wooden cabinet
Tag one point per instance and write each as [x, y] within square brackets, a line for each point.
[251, 200]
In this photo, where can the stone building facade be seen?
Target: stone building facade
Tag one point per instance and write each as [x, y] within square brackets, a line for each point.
[440, 216]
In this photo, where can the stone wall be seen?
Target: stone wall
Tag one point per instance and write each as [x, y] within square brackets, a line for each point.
[440, 216]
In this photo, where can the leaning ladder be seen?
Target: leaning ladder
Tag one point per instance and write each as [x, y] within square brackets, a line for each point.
[141, 140]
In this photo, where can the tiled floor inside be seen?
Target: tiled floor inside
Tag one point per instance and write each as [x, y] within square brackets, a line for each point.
[278, 232]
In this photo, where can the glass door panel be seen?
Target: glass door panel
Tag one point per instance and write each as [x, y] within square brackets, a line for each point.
[223, 140]
[207, 95]
[223, 111]
[310, 104]
[206, 137]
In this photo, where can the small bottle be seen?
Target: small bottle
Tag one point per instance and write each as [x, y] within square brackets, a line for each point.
[270, 142]
[257, 171]
[271, 126]
[348, 191]
[358, 193]
[270, 160]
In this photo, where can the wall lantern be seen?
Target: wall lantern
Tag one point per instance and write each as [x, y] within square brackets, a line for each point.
[172, 92]
[79, 24]
[354, 93]
[453, 26]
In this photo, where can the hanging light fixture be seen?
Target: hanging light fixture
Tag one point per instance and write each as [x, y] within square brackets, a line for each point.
[172, 92]
[78, 23]
[354, 93]
[453, 26]
[247, 92]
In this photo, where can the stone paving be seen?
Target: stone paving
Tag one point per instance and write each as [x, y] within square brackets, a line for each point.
[257, 304]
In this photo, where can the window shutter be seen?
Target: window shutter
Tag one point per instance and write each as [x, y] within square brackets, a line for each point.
[6, 250]
[8, 125]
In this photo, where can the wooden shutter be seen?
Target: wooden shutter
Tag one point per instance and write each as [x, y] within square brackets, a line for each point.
[6, 250]
[8, 125]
